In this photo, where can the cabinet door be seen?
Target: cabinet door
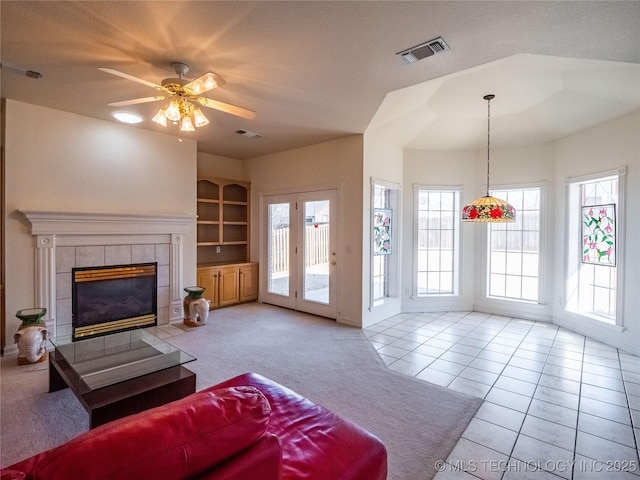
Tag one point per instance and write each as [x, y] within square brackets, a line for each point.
[208, 278]
[228, 281]
[248, 282]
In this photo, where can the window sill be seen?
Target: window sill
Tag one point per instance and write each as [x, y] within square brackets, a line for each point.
[433, 295]
[382, 303]
[593, 320]
[513, 300]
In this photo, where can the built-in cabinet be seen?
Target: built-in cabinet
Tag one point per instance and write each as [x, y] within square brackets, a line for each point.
[248, 282]
[229, 284]
[223, 242]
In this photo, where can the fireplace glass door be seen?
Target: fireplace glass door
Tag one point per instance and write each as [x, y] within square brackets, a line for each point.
[113, 298]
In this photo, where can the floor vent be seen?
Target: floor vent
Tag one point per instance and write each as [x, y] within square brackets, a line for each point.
[424, 50]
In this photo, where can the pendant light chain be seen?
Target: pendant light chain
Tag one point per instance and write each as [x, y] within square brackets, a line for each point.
[488, 99]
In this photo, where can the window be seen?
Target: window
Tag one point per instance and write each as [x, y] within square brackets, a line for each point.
[437, 229]
[593, 246]
[380, 267]
[385, 198]
[514, 248]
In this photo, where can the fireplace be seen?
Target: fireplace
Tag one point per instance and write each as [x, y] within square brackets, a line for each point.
[113, 298]
[66, 240]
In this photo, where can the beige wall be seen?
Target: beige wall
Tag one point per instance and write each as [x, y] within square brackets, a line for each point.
[606, 147]
[217, 166]
[61, 161]
[436, 168]
[513, 167]
[325, 164]
[382, 162]
[2, 249]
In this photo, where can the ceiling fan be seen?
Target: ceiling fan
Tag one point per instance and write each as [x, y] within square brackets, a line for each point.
[20, 71]
[184, 97]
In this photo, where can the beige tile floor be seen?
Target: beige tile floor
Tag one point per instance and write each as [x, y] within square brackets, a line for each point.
[557, 404]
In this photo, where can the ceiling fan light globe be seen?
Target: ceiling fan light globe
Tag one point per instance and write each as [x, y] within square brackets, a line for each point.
[160, 117]
[173, 111]
[199, 118]
[210, 83]
[187, 125]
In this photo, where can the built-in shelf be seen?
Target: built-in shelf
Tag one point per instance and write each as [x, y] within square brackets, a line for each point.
[223, 221]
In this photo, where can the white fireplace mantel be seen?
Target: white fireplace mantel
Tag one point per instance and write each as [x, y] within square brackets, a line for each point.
[47, 222]
[53, 229]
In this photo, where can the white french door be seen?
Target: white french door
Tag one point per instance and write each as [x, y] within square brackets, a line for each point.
[300, 249]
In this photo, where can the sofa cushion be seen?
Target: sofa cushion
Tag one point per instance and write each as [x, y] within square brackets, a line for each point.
[317, 444]
[175, 441]
[261, 461]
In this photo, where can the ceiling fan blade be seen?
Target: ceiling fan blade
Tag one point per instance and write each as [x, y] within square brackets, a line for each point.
[205, 83]
[130, 77]
[135, 101]
[227, 108]
[19, 70]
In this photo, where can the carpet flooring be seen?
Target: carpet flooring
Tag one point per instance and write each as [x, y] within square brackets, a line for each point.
[331, 364]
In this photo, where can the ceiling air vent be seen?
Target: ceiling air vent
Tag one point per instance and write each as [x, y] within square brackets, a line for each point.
[247, 133]
[423, 50]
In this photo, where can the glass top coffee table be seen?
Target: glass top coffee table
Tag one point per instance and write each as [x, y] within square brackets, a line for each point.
[121, 373]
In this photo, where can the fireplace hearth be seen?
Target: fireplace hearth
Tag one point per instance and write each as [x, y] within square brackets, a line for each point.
[113, 298]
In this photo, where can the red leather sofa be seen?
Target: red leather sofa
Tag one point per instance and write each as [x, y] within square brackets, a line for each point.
[247, 428]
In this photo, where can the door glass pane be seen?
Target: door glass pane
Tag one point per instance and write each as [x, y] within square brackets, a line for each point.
[278, 281]
[316, 251]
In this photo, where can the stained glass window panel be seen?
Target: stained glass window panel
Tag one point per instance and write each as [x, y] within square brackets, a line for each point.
[599, 234]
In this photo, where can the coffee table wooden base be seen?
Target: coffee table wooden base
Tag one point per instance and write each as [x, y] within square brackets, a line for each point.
[124, 398]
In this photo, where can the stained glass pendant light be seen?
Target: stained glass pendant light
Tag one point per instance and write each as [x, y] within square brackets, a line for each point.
[488, 209]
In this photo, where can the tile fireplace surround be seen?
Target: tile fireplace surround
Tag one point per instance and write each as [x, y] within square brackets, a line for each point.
[64, 240]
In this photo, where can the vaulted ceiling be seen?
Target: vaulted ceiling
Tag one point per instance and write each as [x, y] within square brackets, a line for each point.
[318, 70]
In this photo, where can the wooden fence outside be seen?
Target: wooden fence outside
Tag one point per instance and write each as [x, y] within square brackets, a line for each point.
[316, 251]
